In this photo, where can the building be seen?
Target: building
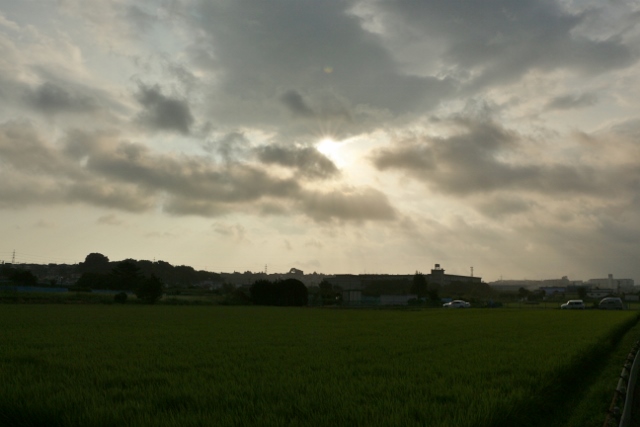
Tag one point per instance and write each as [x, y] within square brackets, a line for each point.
[353, 285]
[550, 291]
[438, 276]
[619, 285]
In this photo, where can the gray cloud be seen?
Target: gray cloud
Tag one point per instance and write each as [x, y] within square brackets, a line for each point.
[51, 98]
[347, 205]
[308, 161]
[36, 172]
[500, 41]
[261, 48]
[19, 191]
[235, 231]
[573, 101]
[296, 104]
[232, 146]
[163, 112]
[140, 19]
[504, 206]
[99, 169]
[23, 149]
[110, 219]
[629, 129]
[471, 162]
[104, 194]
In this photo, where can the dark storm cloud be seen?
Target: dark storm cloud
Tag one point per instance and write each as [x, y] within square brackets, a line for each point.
[308, 161]
[51, 98]
[163, 112]
[471, 162]
[573, 101]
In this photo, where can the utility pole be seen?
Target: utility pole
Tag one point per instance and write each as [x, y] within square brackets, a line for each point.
[471, 271]
[13, 257]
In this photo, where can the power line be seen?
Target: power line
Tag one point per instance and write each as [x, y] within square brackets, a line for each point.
[28, 258]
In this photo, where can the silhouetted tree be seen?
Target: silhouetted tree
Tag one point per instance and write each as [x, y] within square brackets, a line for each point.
[433, 294]
[227, 288]
[95, 263]
[327, 292]
[20, 277]
[126, 276]
[289, 292]
[419, 285]
[524, 293]
[94, 280]
[292, 292]
[150, 289]
[263, 292]
[235, 297]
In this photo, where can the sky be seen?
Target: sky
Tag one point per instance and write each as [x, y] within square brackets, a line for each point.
[342, 136]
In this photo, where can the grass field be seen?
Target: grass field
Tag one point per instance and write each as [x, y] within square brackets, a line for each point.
[104, 365]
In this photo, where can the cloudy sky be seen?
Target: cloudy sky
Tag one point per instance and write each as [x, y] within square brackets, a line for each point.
[342, 136]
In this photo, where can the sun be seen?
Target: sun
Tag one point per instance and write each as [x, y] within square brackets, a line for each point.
[339, 152]
[329, 148]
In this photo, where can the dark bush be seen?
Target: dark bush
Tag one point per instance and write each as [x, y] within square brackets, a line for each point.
[289, 292]
[120, 298]
[94, 280]
[237, 297]
[150, 289]
[77, 288]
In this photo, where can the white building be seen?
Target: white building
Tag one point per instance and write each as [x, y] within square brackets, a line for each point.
[618, 285]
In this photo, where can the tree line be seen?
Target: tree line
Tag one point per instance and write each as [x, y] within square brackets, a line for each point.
[182, 275]
[288, 292]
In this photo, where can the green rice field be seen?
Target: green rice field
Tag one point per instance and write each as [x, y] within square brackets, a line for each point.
[133, 365]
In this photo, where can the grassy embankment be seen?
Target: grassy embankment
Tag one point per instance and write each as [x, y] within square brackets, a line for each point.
[98, 365]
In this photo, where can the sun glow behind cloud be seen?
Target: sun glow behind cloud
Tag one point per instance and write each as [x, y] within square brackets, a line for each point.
[333, 150]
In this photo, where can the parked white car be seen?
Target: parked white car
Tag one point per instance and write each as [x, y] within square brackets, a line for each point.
[456, 303]
[573, 304]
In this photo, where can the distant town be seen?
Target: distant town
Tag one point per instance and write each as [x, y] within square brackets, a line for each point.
[355, 289]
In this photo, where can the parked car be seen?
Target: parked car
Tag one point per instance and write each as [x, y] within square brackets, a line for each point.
[573, 304]
[456, 303]
[610, 303]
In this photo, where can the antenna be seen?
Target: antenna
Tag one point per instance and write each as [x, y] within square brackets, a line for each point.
[13, 257]
[265, 270]
[471, 271]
